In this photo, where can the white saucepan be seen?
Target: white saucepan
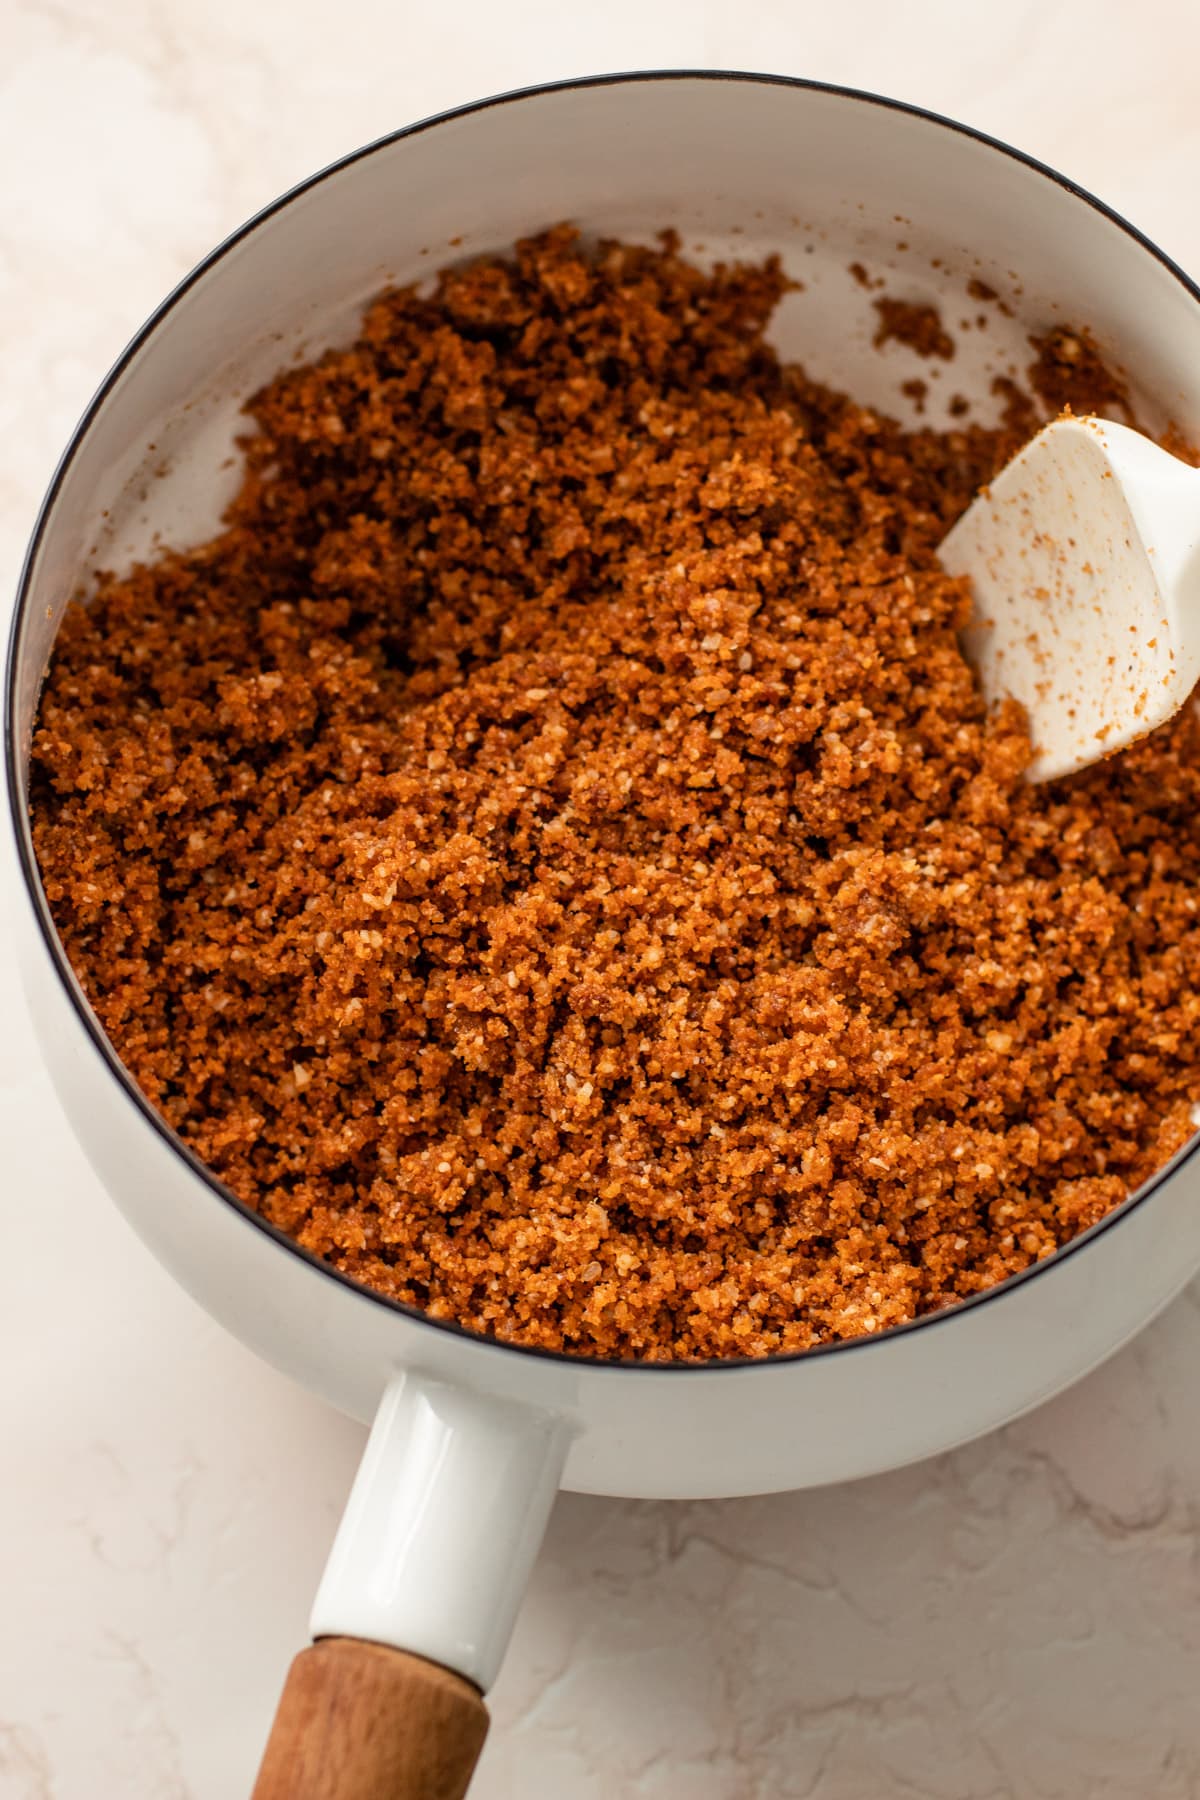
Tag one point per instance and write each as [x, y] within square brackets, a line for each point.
[471, 1439]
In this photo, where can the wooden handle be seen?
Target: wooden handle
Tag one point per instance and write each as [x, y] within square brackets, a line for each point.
[364, 1722]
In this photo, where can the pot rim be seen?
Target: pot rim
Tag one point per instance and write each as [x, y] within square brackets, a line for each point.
[19, 806]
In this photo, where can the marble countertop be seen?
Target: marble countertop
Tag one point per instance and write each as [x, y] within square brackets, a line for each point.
[1021, 1618]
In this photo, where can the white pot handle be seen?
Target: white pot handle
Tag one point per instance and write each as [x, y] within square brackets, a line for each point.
[442, 1526]
[431, 1559]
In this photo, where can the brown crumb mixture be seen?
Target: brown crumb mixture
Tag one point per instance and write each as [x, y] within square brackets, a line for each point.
[549, 855]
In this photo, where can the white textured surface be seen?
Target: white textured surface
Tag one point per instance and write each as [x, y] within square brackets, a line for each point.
[1019, 1619]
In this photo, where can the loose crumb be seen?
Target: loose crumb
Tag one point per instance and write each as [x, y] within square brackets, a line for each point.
[917, 391]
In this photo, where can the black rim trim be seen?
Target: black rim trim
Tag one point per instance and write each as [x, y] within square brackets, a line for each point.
[19, 804]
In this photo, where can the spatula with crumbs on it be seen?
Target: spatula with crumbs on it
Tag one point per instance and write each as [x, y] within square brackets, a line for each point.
[1084, 561]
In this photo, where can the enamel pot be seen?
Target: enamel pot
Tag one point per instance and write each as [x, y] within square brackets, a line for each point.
[472, 1439]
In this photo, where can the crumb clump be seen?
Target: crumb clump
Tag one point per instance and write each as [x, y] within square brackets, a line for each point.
[549, 855]
[1070, 374]
[918, 327]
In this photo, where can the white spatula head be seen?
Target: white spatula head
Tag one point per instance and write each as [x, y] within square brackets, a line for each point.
[1082, 556]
